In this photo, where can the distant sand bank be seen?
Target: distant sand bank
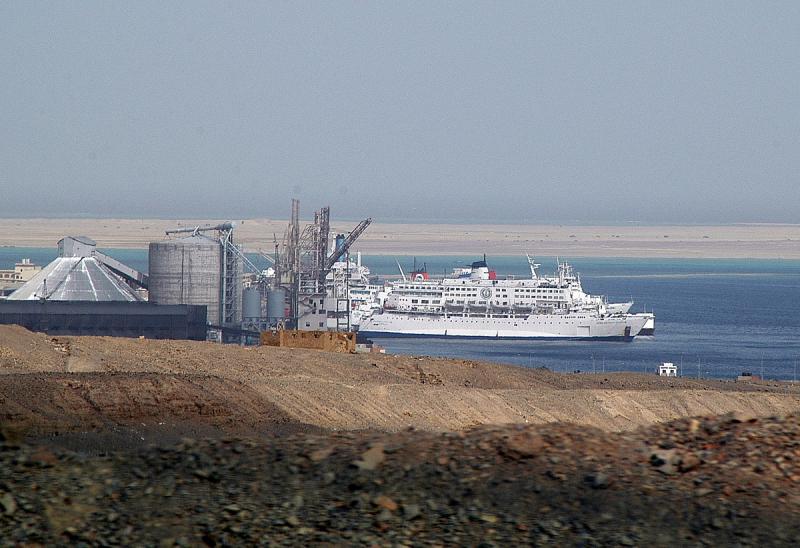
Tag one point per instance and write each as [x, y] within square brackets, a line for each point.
[734, 241]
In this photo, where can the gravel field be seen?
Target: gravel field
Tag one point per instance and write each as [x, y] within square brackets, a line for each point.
[718, 481]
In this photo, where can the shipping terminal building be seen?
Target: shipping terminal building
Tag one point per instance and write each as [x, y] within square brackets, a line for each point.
[85, 292]
[195, 288]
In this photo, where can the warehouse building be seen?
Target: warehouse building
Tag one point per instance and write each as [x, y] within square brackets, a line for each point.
[85, 292]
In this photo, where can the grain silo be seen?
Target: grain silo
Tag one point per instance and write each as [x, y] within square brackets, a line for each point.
[251, 305]
[188, 271]
[276, 306]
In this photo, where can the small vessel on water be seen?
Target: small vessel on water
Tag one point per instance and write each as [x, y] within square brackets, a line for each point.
[474, 302]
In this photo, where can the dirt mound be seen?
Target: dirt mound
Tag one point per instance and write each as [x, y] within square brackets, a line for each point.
[59, 402]
[362, 391]
[22, 350]
[713, 482]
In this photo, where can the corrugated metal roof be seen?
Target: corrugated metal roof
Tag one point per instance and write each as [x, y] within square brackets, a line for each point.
[84, 240]
[75, 279]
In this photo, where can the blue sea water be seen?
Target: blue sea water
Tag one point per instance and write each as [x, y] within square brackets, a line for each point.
[714, 317]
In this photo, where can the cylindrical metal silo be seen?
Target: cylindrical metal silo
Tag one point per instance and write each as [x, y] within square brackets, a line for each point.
[187, 271]
[251, 305]
[276, 305]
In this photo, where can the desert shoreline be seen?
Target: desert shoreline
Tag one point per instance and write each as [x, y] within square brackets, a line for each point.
[741, 241]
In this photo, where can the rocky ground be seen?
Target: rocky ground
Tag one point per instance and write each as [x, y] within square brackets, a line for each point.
[135, 442]
[728, 480]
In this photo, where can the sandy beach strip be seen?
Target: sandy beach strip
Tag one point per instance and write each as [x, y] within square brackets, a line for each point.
[757, 241]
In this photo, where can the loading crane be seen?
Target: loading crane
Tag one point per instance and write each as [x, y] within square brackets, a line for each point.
[194, 231]
[348, 241]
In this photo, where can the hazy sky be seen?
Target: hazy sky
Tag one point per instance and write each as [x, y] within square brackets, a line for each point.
[490, 111]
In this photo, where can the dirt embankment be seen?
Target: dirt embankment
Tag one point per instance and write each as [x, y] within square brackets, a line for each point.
[73, 383]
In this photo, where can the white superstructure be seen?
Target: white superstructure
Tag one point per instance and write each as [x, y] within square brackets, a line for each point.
[350, 295]
[473, 302]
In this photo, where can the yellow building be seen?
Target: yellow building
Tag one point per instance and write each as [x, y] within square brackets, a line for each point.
[13, 279]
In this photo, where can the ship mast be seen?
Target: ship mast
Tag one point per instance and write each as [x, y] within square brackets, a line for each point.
[533, 266]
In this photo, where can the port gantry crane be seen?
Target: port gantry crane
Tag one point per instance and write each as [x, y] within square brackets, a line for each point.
[348, 241]
[304, 263]
[341, 295]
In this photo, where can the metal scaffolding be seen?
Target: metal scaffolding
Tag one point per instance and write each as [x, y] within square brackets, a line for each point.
[231, 280]
[312, 253]
[304, 261]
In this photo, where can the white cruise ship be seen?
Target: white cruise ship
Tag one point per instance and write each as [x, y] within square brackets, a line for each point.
[473, 302]
[350, 295]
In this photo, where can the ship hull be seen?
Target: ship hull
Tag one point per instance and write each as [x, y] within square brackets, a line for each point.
[544, 327]
[649, 328]
[393, 335]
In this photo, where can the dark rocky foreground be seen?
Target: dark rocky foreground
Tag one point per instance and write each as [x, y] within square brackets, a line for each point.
[713, 481]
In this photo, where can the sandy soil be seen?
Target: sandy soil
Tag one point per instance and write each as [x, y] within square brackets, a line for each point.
[68, 383]
[734, 241]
